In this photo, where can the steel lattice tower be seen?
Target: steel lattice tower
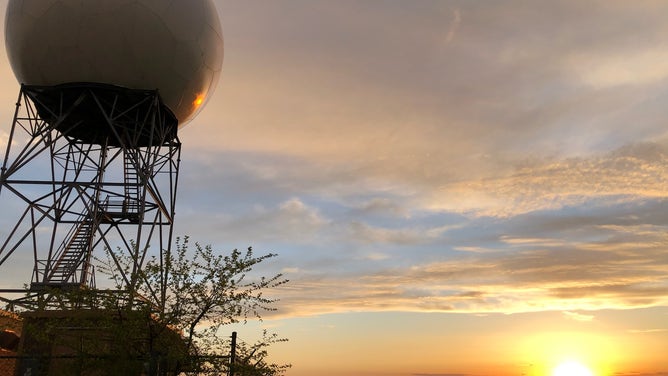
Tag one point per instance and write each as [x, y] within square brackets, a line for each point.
[97, 167]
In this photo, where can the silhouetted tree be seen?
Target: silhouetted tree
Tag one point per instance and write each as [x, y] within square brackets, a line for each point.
[171, 322]
[197, 292]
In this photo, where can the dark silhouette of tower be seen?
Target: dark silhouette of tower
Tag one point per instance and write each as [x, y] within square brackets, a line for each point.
[96, 166]
[92, 159]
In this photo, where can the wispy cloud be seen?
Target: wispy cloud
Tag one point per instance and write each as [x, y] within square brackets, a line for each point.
[624, 175]
[632, 68]
[454, 26]
[591, 271]
[578, 316]
[646, 331]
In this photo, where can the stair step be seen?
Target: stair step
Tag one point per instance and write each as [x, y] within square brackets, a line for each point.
[67, 266]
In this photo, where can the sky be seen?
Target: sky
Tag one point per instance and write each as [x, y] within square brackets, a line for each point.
[452, 187]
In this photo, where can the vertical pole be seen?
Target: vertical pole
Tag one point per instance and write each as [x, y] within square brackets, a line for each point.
[233, 353]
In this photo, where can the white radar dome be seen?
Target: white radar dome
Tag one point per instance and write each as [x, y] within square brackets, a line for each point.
[174, 46]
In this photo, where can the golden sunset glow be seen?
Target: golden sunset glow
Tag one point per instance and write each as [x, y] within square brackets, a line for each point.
[199, 100]
[562, 349]
[571, 368]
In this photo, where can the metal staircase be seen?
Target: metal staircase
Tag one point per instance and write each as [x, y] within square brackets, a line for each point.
[72, 260]
[70, 264]
[131, 180]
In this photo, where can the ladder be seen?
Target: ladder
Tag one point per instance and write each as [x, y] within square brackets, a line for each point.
[131, 182]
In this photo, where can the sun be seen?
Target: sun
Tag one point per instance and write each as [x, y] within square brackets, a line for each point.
[571, 368]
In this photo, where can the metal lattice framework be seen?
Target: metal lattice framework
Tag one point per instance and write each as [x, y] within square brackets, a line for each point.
[97, 167]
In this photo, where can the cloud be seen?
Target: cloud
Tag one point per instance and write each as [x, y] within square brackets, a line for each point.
[4, 138]
[454, 26]
[376, 109]
[632, 68]
[381, 206]
[645, 331]
[368, 234]
[291, 219]
[623, 175]
[593, 270]
[578, 316]
[565, 234]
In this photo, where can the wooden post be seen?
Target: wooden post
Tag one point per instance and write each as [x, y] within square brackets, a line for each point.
[233, 353]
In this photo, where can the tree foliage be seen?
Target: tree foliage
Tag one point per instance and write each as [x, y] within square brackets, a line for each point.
[168, 318]
[251, 359]
[197, 292]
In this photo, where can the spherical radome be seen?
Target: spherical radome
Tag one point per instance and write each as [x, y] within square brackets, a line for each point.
[174, 46]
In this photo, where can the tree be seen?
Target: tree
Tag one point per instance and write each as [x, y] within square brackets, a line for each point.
[198, 292]
[167, 320]
[251, 359]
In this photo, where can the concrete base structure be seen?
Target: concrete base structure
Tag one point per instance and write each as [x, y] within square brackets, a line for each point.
[98, 342]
